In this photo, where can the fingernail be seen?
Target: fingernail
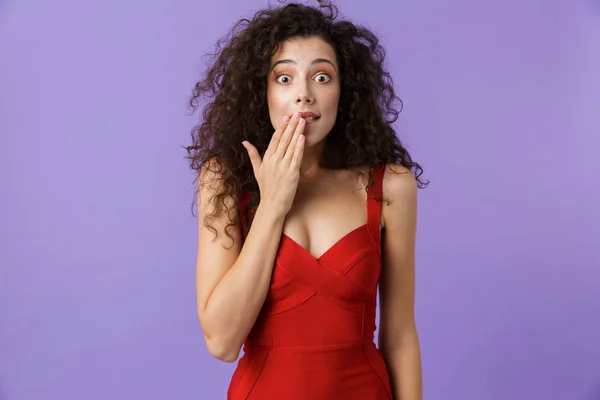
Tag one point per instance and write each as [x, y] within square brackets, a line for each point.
[296, 116]
[286, 119]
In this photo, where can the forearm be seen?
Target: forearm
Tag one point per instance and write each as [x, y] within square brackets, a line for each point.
[404, 367]
[236, 301]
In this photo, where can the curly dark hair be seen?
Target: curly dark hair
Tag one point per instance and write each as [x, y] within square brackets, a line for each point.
[235, 103]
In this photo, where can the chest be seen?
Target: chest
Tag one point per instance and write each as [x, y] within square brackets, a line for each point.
[329, 246]
[319, 221]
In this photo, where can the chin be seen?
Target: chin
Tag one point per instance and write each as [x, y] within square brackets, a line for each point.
[313, 140]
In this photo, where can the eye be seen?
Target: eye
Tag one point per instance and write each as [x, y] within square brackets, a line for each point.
[323, 77]
[283, 78]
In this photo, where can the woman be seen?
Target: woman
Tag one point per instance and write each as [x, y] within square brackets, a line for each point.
[300, 226]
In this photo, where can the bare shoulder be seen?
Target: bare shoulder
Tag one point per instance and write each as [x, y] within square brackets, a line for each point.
[398, 183]
[216, 204]
[210, 177]
[399, 194]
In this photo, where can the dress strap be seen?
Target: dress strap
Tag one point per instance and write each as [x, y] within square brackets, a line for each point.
[374, 207]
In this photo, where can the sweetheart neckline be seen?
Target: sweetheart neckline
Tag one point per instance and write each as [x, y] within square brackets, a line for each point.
[331, 248]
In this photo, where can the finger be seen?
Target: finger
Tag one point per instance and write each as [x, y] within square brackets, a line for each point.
[291, 149]
[255, 159]
[298, 153]
[287, 135]
[277, 137]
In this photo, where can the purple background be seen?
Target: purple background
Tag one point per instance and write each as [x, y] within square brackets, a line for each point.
[98, 244]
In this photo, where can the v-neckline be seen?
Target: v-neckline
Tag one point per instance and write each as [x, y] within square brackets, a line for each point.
[331, 248]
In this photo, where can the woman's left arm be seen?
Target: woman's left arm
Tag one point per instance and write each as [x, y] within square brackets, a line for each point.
[398, 338]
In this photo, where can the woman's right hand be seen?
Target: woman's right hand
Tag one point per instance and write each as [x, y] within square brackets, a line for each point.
[278, 172]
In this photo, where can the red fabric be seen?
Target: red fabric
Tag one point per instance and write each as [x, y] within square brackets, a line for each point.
[313, 339]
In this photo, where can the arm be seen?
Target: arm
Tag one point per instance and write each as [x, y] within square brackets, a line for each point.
[398, 339]
[232, 281]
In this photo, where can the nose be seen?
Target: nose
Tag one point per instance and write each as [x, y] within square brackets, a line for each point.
[304, 96]
[304, 99]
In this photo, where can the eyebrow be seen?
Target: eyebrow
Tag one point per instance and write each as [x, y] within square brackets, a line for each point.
[315, 61]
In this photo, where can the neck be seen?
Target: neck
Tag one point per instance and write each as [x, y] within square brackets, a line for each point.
[311, 162]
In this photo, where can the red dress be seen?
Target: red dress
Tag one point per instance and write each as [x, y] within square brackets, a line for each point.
[313, 339]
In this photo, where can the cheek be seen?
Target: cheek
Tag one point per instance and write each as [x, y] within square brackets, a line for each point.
[275, 99]
[332, 100]
[269, 96]
[276, 106]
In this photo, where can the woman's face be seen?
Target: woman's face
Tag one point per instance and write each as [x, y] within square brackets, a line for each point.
[304, 77]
